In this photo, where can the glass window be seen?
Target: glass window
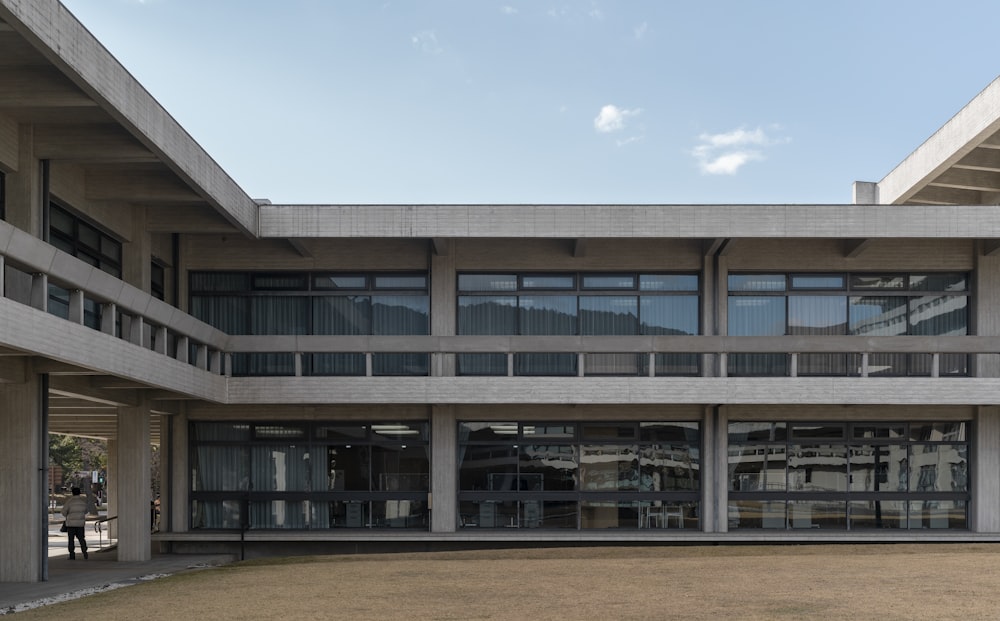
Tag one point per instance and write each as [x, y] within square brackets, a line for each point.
[547, 281]
[609, 281]
[397, 281]
[756, 282]
[668, 282]
[487, 282]
[342, 315]
[340, 281]
[487, 314]
[878, 281]
[609, 315]
[938, 282]
[669, 315]
[817, 281]
[279, 282]
[547, 314]
[400, 314]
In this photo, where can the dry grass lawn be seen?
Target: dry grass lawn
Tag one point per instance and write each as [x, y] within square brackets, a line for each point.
[885, 582]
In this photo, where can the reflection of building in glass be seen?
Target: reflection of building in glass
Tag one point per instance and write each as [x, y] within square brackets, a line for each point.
[330, 377]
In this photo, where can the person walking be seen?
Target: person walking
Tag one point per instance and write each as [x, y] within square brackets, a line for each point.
[75, 510]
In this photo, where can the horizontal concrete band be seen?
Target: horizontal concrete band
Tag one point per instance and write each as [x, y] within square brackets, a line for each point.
[630, 221]
[617, 344]
[615, 390]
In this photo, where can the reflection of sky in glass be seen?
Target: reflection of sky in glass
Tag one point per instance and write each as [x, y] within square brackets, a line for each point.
[878, 315]
[815, 314]
[669, 315]
[757, 282]
[756, 316]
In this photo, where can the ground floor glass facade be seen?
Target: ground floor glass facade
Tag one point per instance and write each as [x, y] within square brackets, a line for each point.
[579, 475]
[851, 476]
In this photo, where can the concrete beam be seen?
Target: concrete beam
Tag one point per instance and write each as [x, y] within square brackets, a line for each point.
[105, 142]
[934, 195]
[981, 159]
[39, 87]
[854, 247]
[300, 247]
[187, 218]
[968, 180]
[138, 185]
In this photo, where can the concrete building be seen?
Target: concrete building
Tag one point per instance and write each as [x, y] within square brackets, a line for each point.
[323, 377]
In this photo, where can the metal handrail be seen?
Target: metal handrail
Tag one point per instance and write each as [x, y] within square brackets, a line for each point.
[99, 529]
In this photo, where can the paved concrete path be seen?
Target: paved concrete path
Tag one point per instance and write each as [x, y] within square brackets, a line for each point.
[78, 578]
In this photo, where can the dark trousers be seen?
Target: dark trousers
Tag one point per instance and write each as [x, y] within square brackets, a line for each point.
[79, 532]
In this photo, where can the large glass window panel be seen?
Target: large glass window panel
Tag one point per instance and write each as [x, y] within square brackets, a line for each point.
[547, 314]
[939, 432]
[609, 315]
[489, 467]
[878, 468]
[670, 431]
[229, 314]
[609, 467]
[401, 468]
[211, 514]
[548, 467]
[279, 281]
[220, 281]
[817, 314]
[348, 468]
[817, 281]
[488, 432]
[668, 468]
[669, 315]
[939, 315]
[400, 314]
[350, 514]
[279, 315]
[220, 469]
[878, 316]
[757, 432]
[281, 469]
[279, 514]
[609, 514]
[817, 468]
[872, 514]
[58, 301]
[756, 315]
[274, 365]
[401, 513]
[878, 281]
[487, 314]
[757, 514]
[757, 468]
[827, 514]
[342, 315]
[939, 468]
[938, 514]
[552, 513]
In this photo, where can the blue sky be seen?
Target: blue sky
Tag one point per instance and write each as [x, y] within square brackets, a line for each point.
[469, 101]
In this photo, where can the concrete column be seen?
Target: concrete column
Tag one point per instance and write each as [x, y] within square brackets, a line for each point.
[707, 476]
[177, 460]
[111, 487]
[985, 320]
[24, 186]
[443, 303]
[985, 486]
[720, 461]
[444, 469]
[23, 477]
[133, 483]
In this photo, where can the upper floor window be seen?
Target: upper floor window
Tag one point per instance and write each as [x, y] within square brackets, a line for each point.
[3, 196]
[589, 304]
[327, 303]
[84, 241]
[863, 304]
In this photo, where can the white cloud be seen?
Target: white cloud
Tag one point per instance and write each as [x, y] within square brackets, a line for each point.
[640, 30]
[611, 118]
[426, 41]
[728, 152]
[508, 10]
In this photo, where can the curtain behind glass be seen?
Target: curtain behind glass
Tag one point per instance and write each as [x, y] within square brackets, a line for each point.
[880, 316]
[345, 315]
[819, 315]
[757, 316]
[229, 314]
